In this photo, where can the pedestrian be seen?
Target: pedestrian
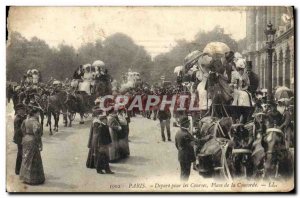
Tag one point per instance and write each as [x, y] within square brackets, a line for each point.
[184, 142]
[164, 117]
[99, 143]
[123, 134]
[20, 116]
[114, 129]
[32, 171]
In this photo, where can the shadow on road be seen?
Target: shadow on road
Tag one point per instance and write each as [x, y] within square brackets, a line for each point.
[50, 182]
[134, 160]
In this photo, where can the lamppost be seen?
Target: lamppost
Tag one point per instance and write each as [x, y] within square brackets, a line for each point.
[270, 34]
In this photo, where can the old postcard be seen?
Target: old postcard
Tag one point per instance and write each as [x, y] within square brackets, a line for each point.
[150, 99]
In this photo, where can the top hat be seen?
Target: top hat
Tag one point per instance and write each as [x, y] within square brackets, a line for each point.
[229, 56]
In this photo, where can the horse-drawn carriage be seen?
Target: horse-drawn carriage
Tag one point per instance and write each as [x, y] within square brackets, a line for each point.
[230, 140]
[33, 76]
[95, 82]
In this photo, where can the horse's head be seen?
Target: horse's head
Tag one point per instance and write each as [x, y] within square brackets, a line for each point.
[241, 135]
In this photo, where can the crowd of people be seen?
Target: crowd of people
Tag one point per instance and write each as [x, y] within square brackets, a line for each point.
[217, 83]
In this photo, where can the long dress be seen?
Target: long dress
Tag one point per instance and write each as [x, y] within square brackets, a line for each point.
[32, 171]
[114, 128]
[99, 141]
[204, 102]
[123, 137]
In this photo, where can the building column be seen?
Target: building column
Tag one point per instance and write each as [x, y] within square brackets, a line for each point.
[251, 28]
[269, 14]
[292, 76]
[257, 64]
[277, 17]
[283, 65]
[278, 65]
[274, 70]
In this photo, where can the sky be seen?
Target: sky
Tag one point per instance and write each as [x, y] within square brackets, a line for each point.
[155, 28]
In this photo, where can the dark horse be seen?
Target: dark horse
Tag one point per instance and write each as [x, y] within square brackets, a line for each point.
[278, 160]
[102, 87]
[56, 104]
[77, 103]
[214, 147]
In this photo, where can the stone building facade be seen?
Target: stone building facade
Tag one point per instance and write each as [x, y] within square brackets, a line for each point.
[282, 19]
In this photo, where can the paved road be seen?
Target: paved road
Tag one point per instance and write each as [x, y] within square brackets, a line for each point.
[64, 156]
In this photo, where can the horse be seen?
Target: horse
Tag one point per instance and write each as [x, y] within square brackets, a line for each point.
[75, 103]
[102, 88]
[56, 103]
[243, 138]
[217, 146]
[278, 160]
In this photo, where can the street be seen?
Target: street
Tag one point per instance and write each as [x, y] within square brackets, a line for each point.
[151, 161]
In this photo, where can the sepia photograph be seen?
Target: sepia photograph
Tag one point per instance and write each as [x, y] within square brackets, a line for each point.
[156, 99]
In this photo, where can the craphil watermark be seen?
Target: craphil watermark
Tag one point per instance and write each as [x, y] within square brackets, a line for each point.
[142, 103]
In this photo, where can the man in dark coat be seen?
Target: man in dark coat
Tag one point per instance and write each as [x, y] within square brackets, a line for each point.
[164, 117]
[253, 78]
[229, 64]
[274, 116]
[78, 74]
[184, 143]
[20, 116]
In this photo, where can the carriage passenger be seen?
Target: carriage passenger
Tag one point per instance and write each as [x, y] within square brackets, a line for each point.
[78, 74]
[240, 82]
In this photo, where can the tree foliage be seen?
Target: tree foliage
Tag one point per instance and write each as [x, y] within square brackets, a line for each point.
[164, 64]
[118, 51]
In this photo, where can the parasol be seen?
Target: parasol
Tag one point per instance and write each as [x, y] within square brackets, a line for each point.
[191, 57]
[216, 48]
[283, 92]
[98, 63]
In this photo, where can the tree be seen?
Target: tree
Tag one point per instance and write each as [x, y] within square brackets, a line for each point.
[164, 64]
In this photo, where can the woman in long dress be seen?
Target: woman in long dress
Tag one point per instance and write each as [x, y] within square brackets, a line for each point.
[123, 136]
[32, 171]
[114, 129]
[98, 144]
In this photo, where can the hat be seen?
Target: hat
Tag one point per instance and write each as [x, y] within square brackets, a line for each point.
[240, 63]
[229, 56]
[249, 64]
[205, 59]
[97, 111]
[183, 120]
